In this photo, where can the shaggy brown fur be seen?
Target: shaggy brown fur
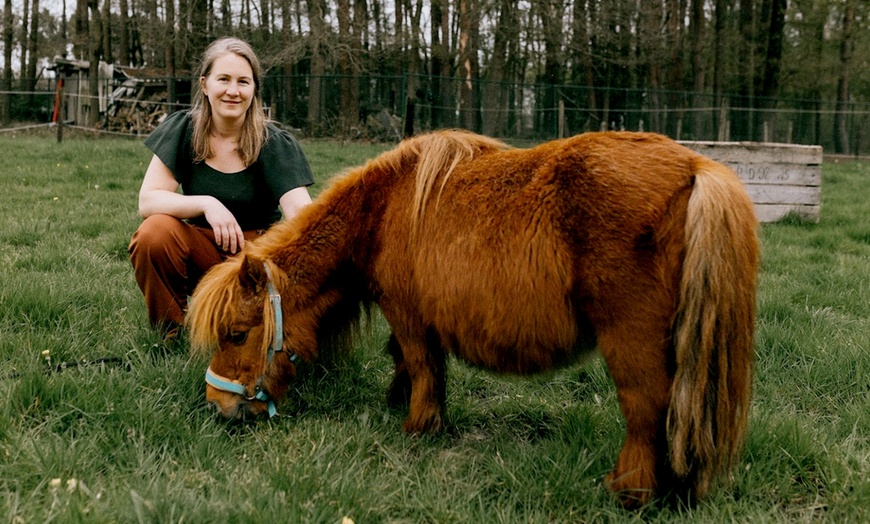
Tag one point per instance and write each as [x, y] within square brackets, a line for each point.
[519, 261]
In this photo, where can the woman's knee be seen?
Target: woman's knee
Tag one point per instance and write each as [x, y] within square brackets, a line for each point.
[157, 231]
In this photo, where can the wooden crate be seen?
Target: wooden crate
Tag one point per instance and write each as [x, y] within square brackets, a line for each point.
[779, 178]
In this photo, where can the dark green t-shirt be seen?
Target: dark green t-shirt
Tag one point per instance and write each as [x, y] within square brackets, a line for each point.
[250, 195]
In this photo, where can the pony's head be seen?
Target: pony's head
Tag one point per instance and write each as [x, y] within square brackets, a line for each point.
[237, 312]
[259, 322]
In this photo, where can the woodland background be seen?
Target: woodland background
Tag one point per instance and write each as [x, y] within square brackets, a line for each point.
[773, 70]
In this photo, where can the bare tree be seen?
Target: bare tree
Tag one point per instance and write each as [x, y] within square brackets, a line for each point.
[582, 72]
[414, 63]
[497, 93]
[841, 131]
[698, 36]
[469, 68]
[287, 39]
[8, 39]
[318, 66]
[106, 44]
[719, 44]
[440, 65]
[551, 13]
[24, 81]
[32, 49]
[124, 32]
[348, 112]
[94, 55]
[170, 39]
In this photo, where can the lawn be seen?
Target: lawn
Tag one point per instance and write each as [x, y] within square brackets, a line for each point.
[99, 422]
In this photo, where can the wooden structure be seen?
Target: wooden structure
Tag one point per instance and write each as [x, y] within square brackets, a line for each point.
[130, 100]
[780, 178]
[74, 76]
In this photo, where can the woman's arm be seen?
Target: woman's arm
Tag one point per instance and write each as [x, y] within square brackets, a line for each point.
[158, 195]
[294, 200]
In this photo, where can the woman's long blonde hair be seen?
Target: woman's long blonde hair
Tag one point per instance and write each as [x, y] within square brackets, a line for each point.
[253, 133]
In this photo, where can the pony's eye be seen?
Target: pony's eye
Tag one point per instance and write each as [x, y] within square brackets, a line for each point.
[237, 337]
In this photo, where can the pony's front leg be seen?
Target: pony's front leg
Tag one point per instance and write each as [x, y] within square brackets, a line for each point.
[399, 394]
[639, 370]
[424, 363]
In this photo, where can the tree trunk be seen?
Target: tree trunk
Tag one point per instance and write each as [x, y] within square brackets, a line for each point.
[94, 64]
[551, 13]
[32, 48]
[774, 29]
[468, 64]
[171, 71]
[124, 29]
[744, 121]
[841, 137]
[582, 70]
[315, 88]
[80, 30]
[199, 30]
[286, 109]
[23, 80]
[226, 17]
[675, 41]
[440, 65]
[346, 113]
[107, 32]
[360, 46]
[414, 65]
[496, 97]
[698, 37]
[8, 38]
[719, 66]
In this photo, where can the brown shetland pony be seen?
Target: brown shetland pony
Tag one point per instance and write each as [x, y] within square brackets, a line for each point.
[518, 261]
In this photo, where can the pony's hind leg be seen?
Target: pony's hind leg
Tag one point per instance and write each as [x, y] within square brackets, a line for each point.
[399, 394]
[639, 367]
[424, 363]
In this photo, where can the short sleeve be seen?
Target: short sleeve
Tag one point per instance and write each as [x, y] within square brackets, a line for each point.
[283, 162]
[171, 142]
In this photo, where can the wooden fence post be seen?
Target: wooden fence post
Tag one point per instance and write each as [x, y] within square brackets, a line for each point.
[59, 107]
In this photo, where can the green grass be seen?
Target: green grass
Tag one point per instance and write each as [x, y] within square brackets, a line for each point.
[135, 442]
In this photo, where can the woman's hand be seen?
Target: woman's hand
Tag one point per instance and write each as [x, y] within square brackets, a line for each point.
[228, 234]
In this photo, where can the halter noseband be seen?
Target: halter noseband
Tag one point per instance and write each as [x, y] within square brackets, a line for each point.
[224, 384]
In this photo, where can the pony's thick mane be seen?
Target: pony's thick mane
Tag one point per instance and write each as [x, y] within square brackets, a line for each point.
[437, 155]
[214, 310]
[214, 306]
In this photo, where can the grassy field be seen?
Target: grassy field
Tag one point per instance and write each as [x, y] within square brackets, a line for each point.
[130, 439]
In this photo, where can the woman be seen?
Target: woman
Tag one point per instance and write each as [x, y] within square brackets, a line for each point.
[238, 174]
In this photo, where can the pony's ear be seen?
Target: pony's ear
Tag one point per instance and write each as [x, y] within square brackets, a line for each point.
[252, 274]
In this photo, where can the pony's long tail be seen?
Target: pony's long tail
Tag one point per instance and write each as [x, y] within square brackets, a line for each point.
[714, 329]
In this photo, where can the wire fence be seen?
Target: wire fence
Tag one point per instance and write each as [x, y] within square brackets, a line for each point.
[387, 108]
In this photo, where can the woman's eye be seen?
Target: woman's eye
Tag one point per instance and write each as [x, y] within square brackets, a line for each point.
[237, 337]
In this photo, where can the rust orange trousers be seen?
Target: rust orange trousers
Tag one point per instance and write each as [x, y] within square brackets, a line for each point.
[169, 258]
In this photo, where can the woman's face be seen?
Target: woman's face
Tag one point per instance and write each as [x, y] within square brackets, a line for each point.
[229, 87]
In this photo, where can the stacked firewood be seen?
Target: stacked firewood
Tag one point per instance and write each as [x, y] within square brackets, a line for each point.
[137, 107]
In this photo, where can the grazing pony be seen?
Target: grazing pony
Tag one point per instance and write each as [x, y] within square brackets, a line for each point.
[516, 261]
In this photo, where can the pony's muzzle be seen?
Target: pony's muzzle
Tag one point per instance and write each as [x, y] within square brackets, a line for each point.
[232, 405]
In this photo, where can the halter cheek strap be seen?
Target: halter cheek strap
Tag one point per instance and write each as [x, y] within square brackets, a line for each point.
[224, 384]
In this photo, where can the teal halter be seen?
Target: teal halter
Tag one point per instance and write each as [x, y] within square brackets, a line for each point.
[224, 384]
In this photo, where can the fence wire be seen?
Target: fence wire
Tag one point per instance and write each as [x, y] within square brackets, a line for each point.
[390, 107]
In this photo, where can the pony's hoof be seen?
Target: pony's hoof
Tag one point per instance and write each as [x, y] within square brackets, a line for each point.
[417, 425]
[631, 497]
